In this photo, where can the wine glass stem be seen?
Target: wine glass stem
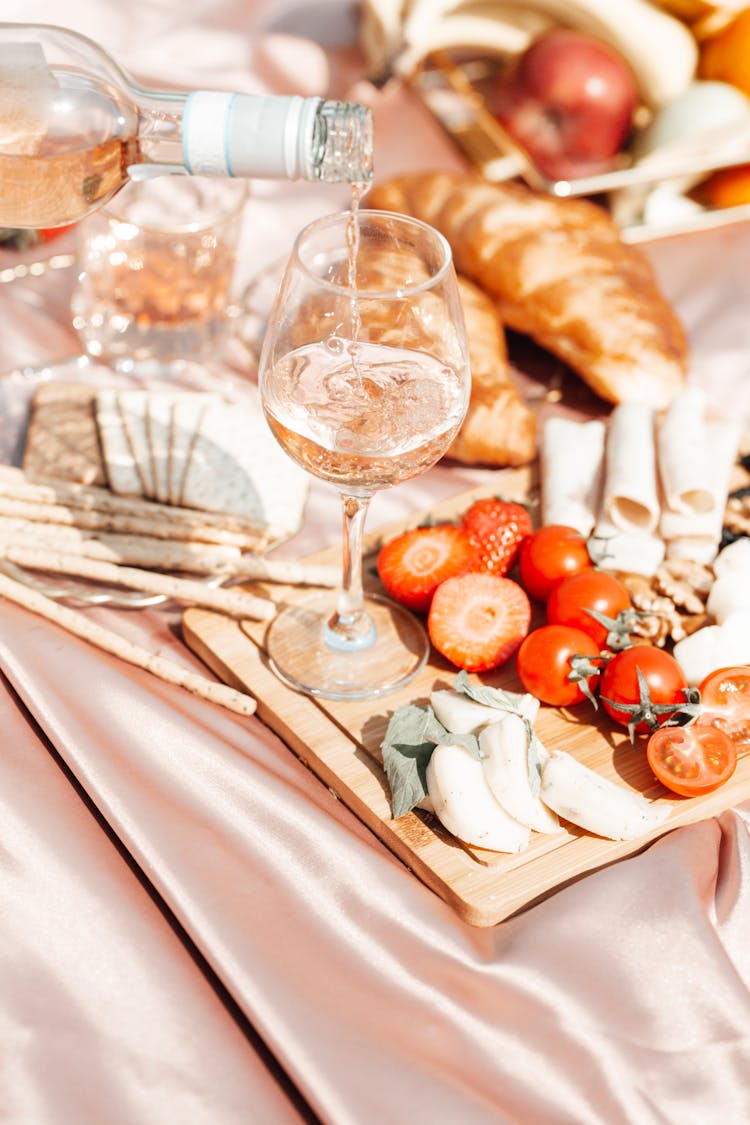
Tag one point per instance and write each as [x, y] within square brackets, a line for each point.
[351, 628]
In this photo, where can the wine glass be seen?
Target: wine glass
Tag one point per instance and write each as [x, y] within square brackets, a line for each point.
[364, 379]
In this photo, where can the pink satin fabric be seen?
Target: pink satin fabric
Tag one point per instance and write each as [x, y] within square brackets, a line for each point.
[194, 930]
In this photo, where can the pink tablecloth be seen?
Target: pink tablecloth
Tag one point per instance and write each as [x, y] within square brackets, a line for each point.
[193, 930]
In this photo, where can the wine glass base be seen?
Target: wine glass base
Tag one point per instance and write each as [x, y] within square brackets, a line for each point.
[299, 655]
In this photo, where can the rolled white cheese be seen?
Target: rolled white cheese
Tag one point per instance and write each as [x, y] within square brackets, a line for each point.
[572, 469]
[631, 500]
[683, 454]
[723, 439]
[634, 552]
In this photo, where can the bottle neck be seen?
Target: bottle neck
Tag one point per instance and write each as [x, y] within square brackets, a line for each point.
[266, 137]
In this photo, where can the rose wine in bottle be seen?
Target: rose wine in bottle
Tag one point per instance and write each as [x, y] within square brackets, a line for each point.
[74, 128]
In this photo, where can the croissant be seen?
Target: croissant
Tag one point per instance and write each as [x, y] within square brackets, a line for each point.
[559, 272]
[499, 428]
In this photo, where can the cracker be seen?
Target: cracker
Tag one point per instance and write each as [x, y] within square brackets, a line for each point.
[158, 433]
[184, 423]
[132, 407]
[122, 473]
[237, 467]
[62, 439]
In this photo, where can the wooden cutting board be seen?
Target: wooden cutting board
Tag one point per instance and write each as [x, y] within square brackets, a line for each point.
[340, 742]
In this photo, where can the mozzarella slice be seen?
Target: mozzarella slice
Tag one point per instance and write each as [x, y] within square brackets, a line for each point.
[464, 804]
[715, 646]
[595, 803]
[729, 593]
[461, 715]
[504, 745]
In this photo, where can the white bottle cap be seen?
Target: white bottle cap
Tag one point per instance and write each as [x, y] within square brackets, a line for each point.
[248, 135]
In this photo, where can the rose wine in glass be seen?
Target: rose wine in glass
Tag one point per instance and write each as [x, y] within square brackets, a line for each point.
[364, 378]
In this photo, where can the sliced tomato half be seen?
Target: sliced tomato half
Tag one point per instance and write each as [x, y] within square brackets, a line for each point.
[725, 702]
[691, 760]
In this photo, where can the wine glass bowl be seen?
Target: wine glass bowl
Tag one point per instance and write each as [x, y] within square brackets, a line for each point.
[364, 379]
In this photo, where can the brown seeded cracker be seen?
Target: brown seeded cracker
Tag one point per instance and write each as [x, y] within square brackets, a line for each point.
[63, 438]
[237, 467]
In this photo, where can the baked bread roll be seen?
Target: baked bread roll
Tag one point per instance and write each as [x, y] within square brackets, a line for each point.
[499, 428]
[559, 273]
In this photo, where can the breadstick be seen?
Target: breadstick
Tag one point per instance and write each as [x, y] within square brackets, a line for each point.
[119, 524]
[132, 550]
[80, 626]
[164, 520]
[288, 572]
[181, 589]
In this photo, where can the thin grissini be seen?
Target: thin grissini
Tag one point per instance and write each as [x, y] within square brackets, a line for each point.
[164, 520]
[231, 602]
[107, 640]
[128, 550]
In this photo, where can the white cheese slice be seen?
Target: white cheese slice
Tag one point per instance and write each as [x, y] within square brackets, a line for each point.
[723, 439]
[572, 469]
[683, 454]
[631, 500]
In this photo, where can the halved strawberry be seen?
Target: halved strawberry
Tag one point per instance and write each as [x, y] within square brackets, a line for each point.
[477, 621]
[497, 529]
[413, 565]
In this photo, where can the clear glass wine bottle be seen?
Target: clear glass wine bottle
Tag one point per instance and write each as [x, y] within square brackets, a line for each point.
[74, 128]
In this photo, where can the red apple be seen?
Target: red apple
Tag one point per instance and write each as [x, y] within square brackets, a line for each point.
[568, 102]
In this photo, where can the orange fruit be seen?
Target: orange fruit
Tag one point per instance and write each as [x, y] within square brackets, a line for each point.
[725, 55]
[729, 187]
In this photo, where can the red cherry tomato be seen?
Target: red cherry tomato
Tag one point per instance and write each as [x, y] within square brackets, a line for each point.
[571, 599]
[49, 234]
[691, 760]
[725, 700]
[543, 663]
[619, 684]
[549, 554]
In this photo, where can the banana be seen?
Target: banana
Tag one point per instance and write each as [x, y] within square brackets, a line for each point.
[497, 29]
[464, 804]
[591, 801]
[461, 715]
[380, 35]
[504, 746]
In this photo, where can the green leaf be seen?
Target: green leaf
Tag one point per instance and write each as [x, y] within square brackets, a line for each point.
[413, 733]
[491, 697]
[534, 761]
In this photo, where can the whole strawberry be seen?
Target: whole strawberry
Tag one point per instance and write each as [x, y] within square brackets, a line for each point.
[412, 565]
[496, 528]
